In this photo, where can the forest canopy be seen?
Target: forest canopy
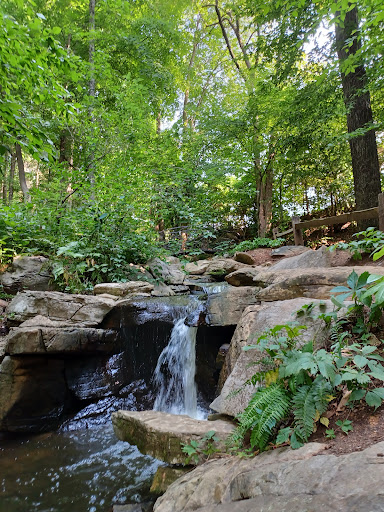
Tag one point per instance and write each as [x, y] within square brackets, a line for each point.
[124, 122]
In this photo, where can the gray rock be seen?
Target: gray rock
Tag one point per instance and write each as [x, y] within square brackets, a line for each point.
[169, 273]
[224, 265]
[160, 434]
[244, 257]
[197, 268]
[83, 310]
[245, 276]
[162, 290]
[316, 283]
[239, 365]
[282, 480]
[309, 259]
[226, 308]
[32, 393]
[27, 273]
[53, 340]
[123, 289]
[289, 251]
[179, 289]
[289, 284]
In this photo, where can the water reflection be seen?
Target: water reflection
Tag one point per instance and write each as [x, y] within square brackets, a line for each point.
[74, 471]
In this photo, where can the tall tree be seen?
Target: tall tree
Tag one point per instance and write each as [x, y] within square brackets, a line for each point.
[362, 140]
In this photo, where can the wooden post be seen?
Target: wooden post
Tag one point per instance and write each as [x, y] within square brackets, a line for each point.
[297, 232]
[381, 211]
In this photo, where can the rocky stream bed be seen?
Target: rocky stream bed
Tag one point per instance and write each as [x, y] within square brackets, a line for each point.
[70, 361]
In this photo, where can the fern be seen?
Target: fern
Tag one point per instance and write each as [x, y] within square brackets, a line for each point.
[267, 408]
[309, 402]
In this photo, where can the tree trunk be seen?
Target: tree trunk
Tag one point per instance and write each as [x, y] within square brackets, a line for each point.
[4, 184]
[23, 181]
[92, 93]
[365, 162]
[11, 177]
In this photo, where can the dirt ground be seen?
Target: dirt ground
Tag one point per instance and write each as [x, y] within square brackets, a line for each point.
[368, 429]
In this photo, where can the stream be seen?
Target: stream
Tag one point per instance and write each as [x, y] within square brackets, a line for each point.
[83, 467]
[77, 471]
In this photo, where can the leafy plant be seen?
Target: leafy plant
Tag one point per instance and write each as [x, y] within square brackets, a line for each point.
[298, 381]
[345, 425]
[201, 450]
[256, 243]
[370, 241]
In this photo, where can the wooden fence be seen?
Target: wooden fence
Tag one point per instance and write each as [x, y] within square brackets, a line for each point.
[298, 226]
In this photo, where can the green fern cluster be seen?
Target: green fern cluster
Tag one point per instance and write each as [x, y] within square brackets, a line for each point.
[297, 382]
[267, 408]
[270, 406]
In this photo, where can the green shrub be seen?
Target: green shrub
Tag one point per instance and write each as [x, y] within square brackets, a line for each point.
[256, 243]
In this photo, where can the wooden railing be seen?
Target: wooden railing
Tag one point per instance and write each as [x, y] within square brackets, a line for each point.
[298, 225]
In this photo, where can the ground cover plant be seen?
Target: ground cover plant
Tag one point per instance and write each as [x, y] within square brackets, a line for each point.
[299, 384]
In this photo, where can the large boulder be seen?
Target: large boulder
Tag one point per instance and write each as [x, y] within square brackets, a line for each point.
[289, 284]
[284, 480]
[308, 259]
[239, 365]
[318, 284]
[197, 268]
[33, 393]
[169, 273]
[161, 435]
[226, 307]
[124, 289]
[51, 340]
[27, 273]
[83, 310]
[287, 251]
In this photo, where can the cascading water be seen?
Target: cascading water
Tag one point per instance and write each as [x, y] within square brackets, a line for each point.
[174, 375]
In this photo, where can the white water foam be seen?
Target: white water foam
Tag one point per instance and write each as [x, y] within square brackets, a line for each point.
[174, 375]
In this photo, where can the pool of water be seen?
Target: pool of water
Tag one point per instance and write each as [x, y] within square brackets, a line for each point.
[74, 471]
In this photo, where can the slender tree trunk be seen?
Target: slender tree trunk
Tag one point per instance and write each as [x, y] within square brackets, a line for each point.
[11, 177]
[23, 181]
[92, 93]
[365, 162]
[4, 184]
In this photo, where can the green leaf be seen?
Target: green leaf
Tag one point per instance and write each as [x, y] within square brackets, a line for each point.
[373, 399]
[295, 443]
[360, 361]
[357, 394]
[283, 435]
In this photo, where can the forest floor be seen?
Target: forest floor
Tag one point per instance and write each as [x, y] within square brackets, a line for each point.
[368, 429]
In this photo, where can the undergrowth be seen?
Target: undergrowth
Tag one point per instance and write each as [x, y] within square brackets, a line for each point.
[296, 383]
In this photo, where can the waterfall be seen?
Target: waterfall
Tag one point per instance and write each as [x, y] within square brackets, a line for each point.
[174, 375]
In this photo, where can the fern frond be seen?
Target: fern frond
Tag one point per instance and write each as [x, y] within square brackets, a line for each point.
[266, 409]
[309, 403]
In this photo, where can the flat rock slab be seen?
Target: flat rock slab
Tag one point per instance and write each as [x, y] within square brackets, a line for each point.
[282, 480]
[123, 289]
[288, 251]
[83, 310]
[292, 283]
[160, 434]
